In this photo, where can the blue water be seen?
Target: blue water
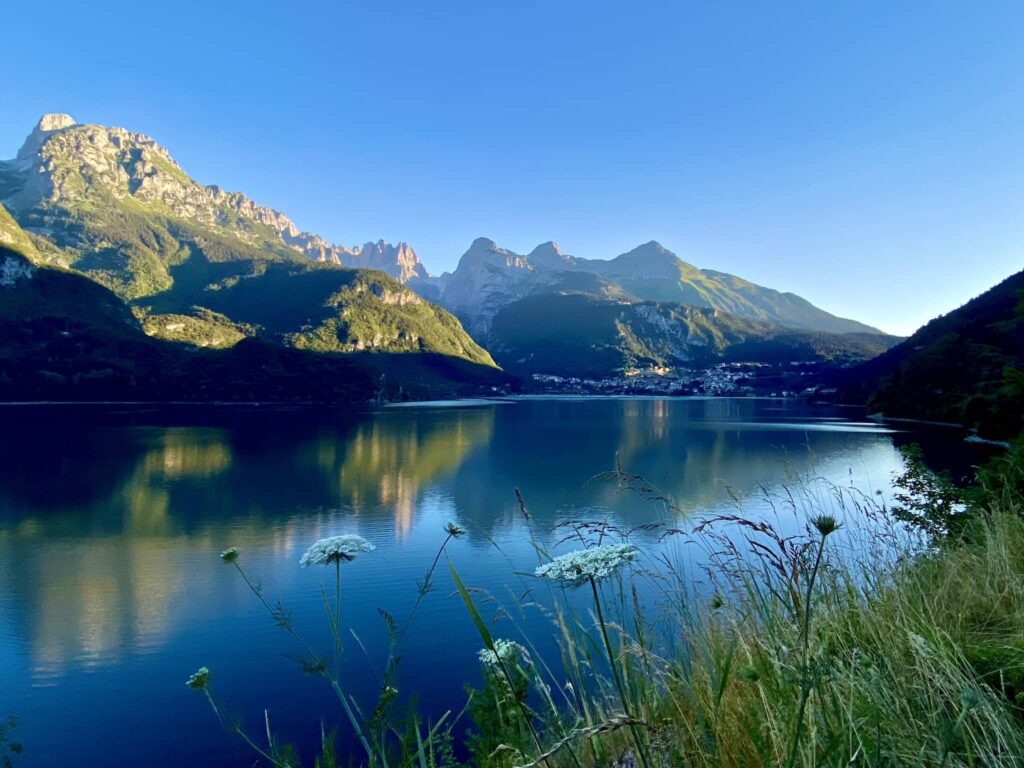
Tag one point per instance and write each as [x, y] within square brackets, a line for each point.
[111, 521]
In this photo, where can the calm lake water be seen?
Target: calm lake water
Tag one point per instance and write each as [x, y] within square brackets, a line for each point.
[111, 521]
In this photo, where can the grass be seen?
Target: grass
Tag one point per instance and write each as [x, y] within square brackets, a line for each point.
[854, 642]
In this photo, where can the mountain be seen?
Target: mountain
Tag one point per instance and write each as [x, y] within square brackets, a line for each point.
[64, 168]
[209, 267]
[966, 366]
[65, 337]
[579, 334]
[489, 277]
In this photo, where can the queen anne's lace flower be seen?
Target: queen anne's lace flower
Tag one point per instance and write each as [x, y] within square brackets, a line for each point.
[576, 568]
[504, 651]
[335, 549]
[199, 679]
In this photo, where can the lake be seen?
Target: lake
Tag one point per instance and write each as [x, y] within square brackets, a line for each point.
[112, 519]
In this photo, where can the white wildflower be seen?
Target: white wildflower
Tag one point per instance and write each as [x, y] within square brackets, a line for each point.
[579, 567]
[335, 549]
[505, 651]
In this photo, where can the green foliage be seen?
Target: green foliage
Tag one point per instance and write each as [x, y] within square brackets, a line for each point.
[201, 328]
[15, 238]
[1000, 481]
[500, 730]
[927, 500]
[965, 367]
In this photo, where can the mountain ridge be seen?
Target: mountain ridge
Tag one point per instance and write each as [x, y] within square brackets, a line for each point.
[488, 277]
[146, 173]
[210, 268]
[131, 165]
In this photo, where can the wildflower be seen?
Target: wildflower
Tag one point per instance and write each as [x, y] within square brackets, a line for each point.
[199, 679]
[576, 568]
[335, 549]
[454, 531]
[825, 524]
[505, 651]
[229, 555]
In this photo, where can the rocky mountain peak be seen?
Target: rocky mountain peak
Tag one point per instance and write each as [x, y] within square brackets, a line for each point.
[549, 254]
[54, 121]
[486, 251]
[647, 261]
[399, 260]
[651, 249]
[482, 244]
[49, 123]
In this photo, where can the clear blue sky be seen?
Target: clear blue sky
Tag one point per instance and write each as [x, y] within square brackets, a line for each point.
[866, 155]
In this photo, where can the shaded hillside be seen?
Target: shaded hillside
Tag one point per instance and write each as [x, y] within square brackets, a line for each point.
[574, 334]
[966, 366]
[63, 337]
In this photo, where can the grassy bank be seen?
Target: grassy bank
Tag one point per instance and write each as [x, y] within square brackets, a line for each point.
[856, 640]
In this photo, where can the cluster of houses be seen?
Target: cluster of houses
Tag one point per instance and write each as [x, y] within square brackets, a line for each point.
[724, 379]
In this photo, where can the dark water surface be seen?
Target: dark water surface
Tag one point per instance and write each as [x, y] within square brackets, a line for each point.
[112, 518]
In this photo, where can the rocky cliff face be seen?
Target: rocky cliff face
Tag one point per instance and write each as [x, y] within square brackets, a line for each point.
[65, 164]
[487, 278]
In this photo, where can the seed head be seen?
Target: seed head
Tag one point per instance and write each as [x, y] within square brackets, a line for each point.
[826, 524]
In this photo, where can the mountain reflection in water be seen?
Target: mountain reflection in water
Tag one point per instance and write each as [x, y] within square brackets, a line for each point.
[111, 521]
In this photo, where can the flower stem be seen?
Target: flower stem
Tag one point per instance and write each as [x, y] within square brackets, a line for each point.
[337, 618]
[317, 659]
[615, 673]
[805, 682]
